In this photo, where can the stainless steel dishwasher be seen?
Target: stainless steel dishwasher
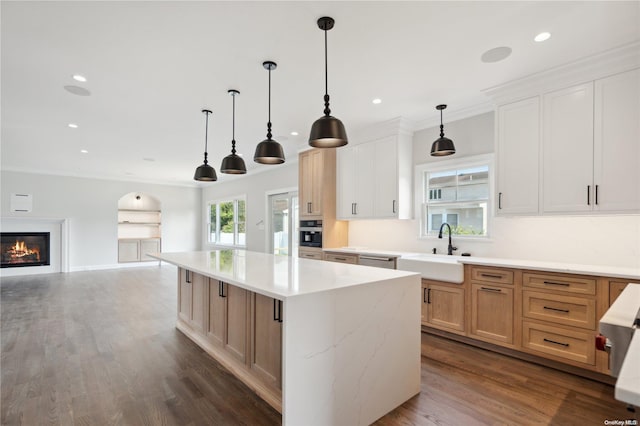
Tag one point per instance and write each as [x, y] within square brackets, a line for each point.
[378, 261]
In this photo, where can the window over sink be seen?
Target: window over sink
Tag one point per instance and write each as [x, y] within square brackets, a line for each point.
[456, 192]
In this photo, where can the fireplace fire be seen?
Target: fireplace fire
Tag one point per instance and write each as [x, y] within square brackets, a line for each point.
[24, 249]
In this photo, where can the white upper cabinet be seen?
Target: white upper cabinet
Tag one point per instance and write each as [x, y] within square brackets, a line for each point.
[568, 149]
[616, 167]
[374, 179]
[518, 141]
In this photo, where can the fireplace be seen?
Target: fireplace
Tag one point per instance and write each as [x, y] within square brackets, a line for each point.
[24, 249]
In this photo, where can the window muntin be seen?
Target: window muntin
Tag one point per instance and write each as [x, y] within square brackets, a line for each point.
[458, 196]
[227, 222]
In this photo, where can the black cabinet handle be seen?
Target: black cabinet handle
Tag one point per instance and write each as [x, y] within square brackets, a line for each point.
[596, 195]
[566, 345]
[566, 311]
[188, 276]
[588, 195]
[499, 200]
[496, 290]
[424, 295]
[491, 276]
[394, 206]
[343, 259]
[429, 296]
[221, 289]
[277, 310]
[555, 283]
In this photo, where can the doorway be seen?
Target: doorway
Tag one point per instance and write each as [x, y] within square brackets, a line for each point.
[283, 223]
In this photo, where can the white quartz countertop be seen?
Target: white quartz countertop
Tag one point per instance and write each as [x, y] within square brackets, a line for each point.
[632, 274]
[280, 277]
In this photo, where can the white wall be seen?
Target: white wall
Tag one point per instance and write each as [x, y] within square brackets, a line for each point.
[254, 186]
[91, 205]
[595, 239]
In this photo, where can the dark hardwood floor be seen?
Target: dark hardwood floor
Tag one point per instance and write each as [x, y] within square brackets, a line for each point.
[97, 348]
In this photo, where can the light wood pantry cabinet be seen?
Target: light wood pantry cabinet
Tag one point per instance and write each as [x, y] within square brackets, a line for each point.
[266, 339]
[518, 142]
[311, 182]
[374, 179]
[492, 305]
[443, 306]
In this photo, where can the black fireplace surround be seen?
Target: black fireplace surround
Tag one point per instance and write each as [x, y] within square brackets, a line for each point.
[20, 249]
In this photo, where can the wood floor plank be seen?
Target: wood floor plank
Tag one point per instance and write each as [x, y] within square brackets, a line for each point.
[101, 348]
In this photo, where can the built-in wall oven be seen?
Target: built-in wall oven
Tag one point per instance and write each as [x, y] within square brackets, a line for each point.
[311, 233]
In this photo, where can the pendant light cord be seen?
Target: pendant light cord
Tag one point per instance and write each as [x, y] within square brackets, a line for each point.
[233, 128]
[269, 122]
[206, 136]
[441, 126]
[327, 111]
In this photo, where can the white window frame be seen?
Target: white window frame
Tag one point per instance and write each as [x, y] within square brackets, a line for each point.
[451, 164]
[230, 199]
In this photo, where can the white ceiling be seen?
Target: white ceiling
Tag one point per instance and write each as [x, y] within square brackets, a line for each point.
[152, 66]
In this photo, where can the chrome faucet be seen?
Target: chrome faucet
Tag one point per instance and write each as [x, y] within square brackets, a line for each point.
[450, 247]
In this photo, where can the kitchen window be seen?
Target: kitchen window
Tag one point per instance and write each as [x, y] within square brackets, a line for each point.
[226, 222]
[455, 192]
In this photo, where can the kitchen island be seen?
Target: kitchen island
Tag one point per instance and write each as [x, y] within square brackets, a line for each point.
[324, 343]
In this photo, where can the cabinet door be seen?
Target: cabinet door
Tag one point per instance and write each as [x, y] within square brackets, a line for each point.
[492, 313]
[310, 182]
[568, 149]
[266, 356]
[149, 246]
[365, 179]
[185, 295]
[200, 285]
[518, 143]
[237, 321]
[128, 250]
[217, 314]
[386, 178]
[617, 142]
[445, 307]
[346, 182]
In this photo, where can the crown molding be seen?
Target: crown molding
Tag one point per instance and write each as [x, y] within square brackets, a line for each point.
[613, 61]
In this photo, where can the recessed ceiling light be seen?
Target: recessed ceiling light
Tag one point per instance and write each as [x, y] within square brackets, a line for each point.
[294, 133]
[73, 125]
[84, 151]
[496, 54]
[81, 78]
[542, 37]
[377, 101]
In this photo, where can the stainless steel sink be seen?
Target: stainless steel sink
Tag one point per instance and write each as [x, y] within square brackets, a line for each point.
[434, 267]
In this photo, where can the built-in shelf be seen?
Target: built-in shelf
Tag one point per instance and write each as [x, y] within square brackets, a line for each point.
[138, 233]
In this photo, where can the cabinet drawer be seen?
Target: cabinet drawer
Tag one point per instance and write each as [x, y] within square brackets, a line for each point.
[560, 309]
[341, 258]
[567, 283]
[317, 255]
[568, 344]
[491, 275]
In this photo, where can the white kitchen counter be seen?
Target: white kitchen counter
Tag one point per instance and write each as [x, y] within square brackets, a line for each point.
[350, 333]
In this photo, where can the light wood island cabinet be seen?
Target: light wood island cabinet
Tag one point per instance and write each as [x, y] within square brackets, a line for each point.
[266, 339]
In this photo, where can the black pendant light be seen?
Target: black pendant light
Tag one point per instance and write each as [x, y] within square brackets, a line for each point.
[269, 151]
[442, 146]
[327, 131]
[233, 164]
[205, 173]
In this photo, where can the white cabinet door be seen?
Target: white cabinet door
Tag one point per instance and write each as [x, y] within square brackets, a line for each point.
[128, 250]
[346, 182]
[617, 142]
[149, 246]
[386, 178]
[568, 149]
[518, 157]
[365, 180]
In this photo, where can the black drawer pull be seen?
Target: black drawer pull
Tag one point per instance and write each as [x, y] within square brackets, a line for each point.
[497, 290]
[566, 345]
[340, 258]
[491, 276]
[566, 311]
[555, 283]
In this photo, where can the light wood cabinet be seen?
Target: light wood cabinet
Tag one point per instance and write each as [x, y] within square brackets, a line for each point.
[615, 288]
[311, 185]
[374, 180]
[310, 253]
[492, 313]
[518, 142]
[185, 295]
[266, 339]
[228, 319]
[443, 306]
[341, 258]
[191, 297]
